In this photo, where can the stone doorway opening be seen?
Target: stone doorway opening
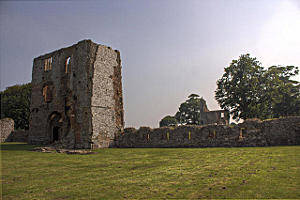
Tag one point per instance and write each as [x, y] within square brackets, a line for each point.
[55, 133]
[55, 125]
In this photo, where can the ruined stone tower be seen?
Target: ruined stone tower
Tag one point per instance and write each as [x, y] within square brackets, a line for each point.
[76, 99]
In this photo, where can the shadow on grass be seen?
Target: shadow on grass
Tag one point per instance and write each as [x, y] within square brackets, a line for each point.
[13, 146]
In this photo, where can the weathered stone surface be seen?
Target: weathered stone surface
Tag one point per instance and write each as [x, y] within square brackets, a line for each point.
[18, 136]
[215, 117]
[76, 97]
[7, 126]
[251, 133]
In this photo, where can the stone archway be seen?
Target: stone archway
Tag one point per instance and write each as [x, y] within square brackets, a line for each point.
[55, 122]
[55, 133]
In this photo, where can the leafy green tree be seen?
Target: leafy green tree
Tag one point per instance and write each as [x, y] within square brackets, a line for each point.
[249, 91]
[15, 104]
[168, 121]
[239, 88]
[190, 111]
[282, 95]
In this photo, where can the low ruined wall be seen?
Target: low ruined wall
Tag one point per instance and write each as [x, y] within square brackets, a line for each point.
[251, 133]
[18, 136]
[6, 127]
[8, 134]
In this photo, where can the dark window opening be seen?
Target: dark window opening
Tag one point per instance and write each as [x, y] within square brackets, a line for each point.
[67, 108]
[55, 133]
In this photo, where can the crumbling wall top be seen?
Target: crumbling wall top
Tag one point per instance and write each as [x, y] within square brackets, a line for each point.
[88, 41]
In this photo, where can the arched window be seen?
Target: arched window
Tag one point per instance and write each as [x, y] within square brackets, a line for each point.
[48, 64]
[67, 65]
[47, 93]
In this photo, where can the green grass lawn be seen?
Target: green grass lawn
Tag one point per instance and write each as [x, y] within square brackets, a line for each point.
[267, 172]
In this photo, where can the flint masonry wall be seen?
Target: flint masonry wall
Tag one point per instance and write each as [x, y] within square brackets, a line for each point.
[8, 134]
[76, 97]
[106, 101]
[251, 133]
[6, 128]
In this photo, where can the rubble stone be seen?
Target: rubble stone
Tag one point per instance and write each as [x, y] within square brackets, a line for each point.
[52, 149]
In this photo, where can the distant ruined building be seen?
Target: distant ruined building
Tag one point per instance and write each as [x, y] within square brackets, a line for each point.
[76, 97]
[213, 117]
[194, 111]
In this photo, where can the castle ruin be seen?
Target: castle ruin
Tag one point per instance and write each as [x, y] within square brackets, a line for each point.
[212, 117]
[77, 102]
[76, 99]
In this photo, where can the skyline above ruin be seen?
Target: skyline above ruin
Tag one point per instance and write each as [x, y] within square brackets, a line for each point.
[169, 49]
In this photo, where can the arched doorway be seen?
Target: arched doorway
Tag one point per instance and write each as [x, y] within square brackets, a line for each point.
[55, 126]
[55, 133]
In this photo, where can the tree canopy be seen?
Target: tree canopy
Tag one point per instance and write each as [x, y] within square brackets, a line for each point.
[247, 90]
[168, 121]
[189, 112]
[282, 95]
[15, 104]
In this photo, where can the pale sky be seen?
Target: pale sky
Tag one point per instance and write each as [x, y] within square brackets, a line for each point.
[169, 49]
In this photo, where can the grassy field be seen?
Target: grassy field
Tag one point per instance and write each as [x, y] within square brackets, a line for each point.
[269, 172]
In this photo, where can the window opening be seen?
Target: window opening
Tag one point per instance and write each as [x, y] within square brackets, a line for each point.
[47, 94]
[48, 64]
[67, 65]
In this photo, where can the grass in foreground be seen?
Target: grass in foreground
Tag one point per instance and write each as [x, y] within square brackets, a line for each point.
[269, 172]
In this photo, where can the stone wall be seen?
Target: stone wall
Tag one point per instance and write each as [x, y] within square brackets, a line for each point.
[6, 127]
[76, 97]
[18, 136]
[283, 131]
[216, 117]
[106, 100]
[61, 92]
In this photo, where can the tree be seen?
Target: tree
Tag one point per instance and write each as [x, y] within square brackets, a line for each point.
[282, 96]
[190, 111]
[168, 121]
[249, 91]
[15, 104]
